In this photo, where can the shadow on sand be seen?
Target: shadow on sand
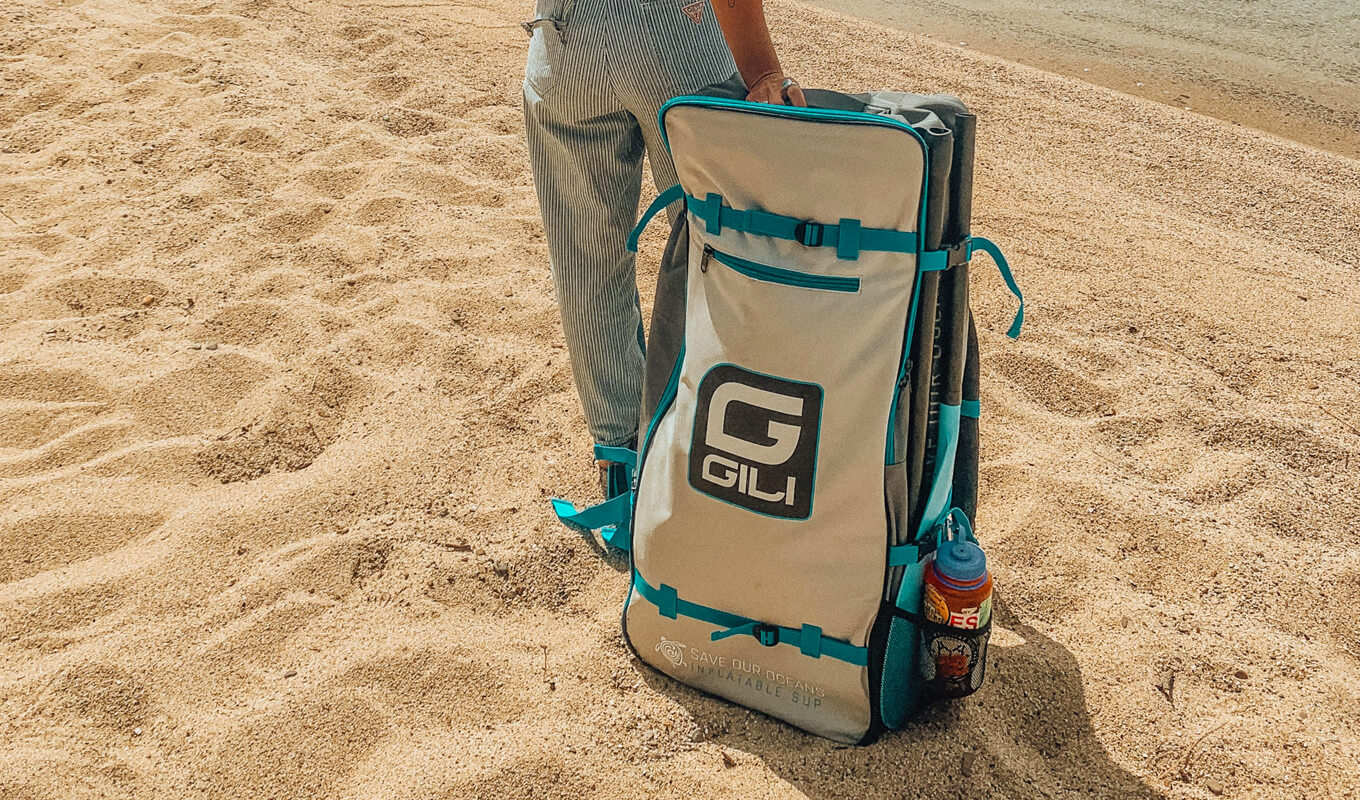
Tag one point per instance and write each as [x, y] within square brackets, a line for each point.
[1027, 733]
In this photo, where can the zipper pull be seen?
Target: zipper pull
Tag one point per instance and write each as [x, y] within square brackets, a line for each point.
[703, 262]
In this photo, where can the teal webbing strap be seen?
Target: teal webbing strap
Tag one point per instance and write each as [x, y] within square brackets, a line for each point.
[942, 484]
[962, 525]
[620, 537]
[989, 247]
[847, 237]
[613, 518]
[903, 554]
[662, 200]
[971, 409]
[808, 639]
[618, 455]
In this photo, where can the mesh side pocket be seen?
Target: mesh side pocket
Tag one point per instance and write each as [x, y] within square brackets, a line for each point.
[952, 662]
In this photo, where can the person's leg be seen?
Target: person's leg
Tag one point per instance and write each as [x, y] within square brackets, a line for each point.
[674, 50]
[586, 156]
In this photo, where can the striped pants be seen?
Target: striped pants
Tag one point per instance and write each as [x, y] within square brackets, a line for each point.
[598, 71]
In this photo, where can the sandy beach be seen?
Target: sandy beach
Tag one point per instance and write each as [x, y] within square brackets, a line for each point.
[1289, 67]
[283, 396]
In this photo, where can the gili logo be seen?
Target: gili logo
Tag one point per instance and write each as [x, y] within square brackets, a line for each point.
[673, 651]
[755, 441]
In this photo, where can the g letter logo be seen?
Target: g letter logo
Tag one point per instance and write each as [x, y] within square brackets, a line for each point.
[755, 441]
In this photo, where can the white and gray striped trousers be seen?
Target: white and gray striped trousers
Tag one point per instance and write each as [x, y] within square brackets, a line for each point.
[598, 71]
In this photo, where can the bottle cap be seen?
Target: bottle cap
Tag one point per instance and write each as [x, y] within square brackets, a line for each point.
[961, 561]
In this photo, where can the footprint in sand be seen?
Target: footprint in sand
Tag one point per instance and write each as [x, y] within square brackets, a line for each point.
[1052, 385]
[12, 281]
[528, 777]
[250, 136]
[261, 635]
[339, 251]
[389, 87]
[40, 542]
[436, 685]
[335, 183]
[48, 244]
[207, 27]
[409, 123]
[295, 225]
[36, 617]
[297, 428]
[196, 398]
[308, 744]
[374, 43]
[78, 446]
[152, 62]
[49, 385]
[250, 323]
[100, 293]
[103, 694]
[25, 425]
[383, 210]
[1293, 446]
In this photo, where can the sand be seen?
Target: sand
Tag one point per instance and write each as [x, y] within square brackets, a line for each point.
[283, 396]
[1290, 67]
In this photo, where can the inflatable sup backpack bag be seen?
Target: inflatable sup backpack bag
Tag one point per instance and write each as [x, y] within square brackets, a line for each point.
[810, 404]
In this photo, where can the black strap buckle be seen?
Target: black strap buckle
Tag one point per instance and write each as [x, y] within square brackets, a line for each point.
[809, 234]
[767, 635]
[960, 252]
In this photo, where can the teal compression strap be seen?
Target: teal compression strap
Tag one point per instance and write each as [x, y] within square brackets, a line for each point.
[989, 247]
[847, 237]
[662, 200]
[902, 555]
[940, 260]
[613, 518]
[618, 455]
[971, 409]
[942, 485]
[808, 639]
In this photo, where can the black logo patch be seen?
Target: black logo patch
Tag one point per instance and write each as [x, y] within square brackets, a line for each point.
[755, 441]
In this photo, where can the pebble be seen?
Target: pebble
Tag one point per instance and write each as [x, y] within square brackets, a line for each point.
[967, 764]
[136, 731]
[728, 760]
[481, 551]
[210, 346]
[1215, 785]
[290, 673]
[1242, 674]
[149, 300]
[502, 568]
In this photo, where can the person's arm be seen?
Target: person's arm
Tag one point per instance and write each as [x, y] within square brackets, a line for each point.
[748, 37]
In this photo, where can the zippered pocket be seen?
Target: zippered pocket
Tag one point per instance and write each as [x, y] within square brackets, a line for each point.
[783, 277]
